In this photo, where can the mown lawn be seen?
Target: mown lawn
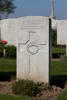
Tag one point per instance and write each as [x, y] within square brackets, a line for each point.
[8, 97]
[7, 65]
[58, 68]
[58, 72]
[63, 96]
[57, 50]
[7, 69]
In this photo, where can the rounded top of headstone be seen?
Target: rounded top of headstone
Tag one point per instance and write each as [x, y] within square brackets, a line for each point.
[35, 17]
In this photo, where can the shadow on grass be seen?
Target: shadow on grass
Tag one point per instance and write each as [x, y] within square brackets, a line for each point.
[7, 76]
[59, 80]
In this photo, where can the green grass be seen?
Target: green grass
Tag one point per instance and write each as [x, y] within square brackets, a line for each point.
[59, 68]
[8, 97]
[7, 65]
[63, 96]
[59, 73]
[59, 76]
[7, 69]
[58, 50]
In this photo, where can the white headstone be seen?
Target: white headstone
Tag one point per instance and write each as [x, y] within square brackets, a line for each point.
[62, 32]
[33, 56]
[10, 30]
[54, 24]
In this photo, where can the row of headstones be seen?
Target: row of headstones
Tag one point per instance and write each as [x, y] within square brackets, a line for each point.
[32, 37]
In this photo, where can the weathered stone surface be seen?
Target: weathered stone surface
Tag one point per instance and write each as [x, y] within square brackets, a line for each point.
[9, 30]
[62, 32]
[31, 36]
[33, 49]
[54, 23]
